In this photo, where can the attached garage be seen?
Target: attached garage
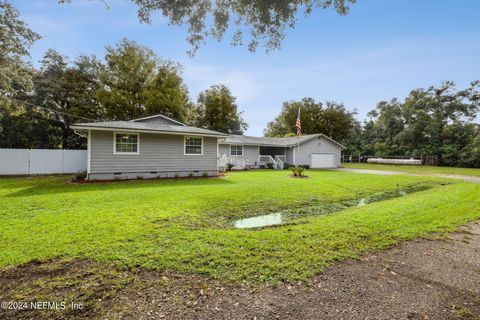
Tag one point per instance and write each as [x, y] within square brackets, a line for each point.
[322, 160]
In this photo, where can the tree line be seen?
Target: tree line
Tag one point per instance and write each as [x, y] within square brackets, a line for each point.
[437, 121]
[37, 105]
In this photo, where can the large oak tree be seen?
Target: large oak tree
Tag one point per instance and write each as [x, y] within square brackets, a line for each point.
[331, 119]
[252, 21]
[136, 83]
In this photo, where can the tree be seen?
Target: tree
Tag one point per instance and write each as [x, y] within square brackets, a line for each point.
[15, 41]
[217, 110]
[433, 121]
[332, 119]
[30, 130]
[64, 93]
[265, 21]
[135, 83]
[68, 91]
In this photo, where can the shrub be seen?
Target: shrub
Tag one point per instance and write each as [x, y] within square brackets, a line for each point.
[287, 165]
[297, 171]
[270, 165]
[229, 166]
[81, 175]
[304, 166]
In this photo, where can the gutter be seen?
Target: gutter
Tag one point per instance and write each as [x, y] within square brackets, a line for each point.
[181, 133]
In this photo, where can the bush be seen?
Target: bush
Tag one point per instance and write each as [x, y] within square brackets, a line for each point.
[297, 171]
[229, 166]
[81, 175]
[269, 165]
[304, 166]
[287, 165]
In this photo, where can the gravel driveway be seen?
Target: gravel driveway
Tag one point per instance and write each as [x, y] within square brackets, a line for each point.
[385, 172]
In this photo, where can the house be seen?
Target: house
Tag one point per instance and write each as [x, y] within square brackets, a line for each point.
[314, 150]
[161, 147]
[150, 147]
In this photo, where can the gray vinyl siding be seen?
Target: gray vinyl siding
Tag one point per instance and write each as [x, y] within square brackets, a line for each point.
[317, 145]
[158, 152]
[250, 153]
[289, 155]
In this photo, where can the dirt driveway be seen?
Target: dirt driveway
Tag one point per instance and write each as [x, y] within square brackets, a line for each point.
[423, 279]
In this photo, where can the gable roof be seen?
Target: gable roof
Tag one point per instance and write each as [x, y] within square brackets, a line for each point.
[148, 127]
[159, 116]
[275, 142]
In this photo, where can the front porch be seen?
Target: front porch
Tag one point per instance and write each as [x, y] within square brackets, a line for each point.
[266, 156]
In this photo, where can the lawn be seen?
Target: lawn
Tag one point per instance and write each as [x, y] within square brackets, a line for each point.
[416, 169]
[185, 225]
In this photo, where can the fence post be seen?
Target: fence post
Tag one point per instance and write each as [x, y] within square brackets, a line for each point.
[29, 161]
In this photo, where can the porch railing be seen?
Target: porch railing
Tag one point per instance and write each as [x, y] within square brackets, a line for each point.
[222, 162]
[264, 159]
[238, 163]
[280, 162]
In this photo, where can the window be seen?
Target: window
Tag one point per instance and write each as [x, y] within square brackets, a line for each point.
[125, 143]
[236, 150]
[193, 145]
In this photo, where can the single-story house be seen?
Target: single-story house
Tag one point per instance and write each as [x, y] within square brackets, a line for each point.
[150, 147]
[161, 147]
[314, 150]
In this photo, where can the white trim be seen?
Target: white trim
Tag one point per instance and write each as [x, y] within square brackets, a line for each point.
[292, 144]
[185, 145]
[148, 131]
[125, 153]
[89, 150]
[159, 116]
[236, 155]
[294, 160]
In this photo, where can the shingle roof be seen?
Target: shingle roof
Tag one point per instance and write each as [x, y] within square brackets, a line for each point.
[280, 142]
[148, 127]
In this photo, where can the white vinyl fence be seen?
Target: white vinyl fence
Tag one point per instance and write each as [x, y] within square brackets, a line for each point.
[41, 161]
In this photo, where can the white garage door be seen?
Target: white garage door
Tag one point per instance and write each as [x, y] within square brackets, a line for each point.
[322, 160]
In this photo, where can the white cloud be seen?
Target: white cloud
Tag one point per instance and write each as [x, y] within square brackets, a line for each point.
[242, 84]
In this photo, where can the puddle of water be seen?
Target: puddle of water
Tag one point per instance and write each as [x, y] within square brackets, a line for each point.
[283, 217]
[260, 221]
[362, 202]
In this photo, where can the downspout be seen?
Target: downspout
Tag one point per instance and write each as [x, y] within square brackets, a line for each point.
[89, 153]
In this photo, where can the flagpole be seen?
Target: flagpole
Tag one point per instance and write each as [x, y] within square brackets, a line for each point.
[298, 151]
[299, 133]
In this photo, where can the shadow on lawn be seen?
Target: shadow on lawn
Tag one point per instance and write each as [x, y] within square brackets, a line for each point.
[53, 185]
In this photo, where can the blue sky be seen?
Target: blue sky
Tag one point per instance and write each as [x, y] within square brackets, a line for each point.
[382, 49]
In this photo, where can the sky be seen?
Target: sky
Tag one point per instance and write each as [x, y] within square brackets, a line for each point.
[380, 50]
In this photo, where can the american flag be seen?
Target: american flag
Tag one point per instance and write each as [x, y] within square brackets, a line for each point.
[298, 125]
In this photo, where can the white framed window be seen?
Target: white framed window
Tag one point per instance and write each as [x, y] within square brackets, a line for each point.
[193, 145]
[126, 143]
[236, 150]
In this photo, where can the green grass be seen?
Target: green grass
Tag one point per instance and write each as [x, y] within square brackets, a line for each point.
[416, 169]
[184, 225]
